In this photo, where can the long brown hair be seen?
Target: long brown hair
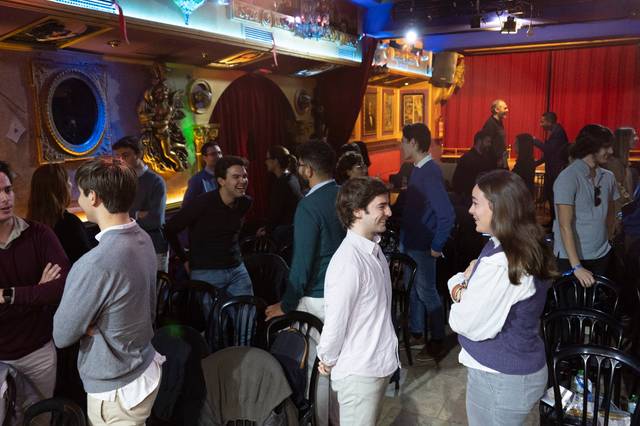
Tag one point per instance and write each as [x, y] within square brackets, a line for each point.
[514, 224]
[49, 194]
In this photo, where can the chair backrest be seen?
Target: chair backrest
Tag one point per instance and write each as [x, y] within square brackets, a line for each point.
[311, 327]
[63, 412]
[164, 285]
[255, 244]
[237, 321]
[269, 274]
[605, 369]
[603, 296]
[191, 303]
[403, 272]
[563, 327]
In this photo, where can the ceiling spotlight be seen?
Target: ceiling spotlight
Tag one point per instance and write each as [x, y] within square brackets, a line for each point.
[411, 36]
[475, 21]
[509, 26]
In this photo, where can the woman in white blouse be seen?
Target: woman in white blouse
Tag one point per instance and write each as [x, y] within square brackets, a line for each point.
[499, 300]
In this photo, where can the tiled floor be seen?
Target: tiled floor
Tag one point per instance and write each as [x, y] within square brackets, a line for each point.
[431, 394]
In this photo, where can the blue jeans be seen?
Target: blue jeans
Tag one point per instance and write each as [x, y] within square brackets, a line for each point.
[235, 280]
[502, 399]
[424, 297]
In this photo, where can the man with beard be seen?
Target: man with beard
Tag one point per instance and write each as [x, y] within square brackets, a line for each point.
[584, 193]
[214, 220]
[556, 154]
[494, 128]
[472, 164]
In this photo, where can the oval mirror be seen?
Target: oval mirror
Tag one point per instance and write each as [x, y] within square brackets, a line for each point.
[75, 110]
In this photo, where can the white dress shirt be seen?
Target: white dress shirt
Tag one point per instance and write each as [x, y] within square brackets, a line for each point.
[424, 161]
[358, 337]
[485, 304]
[318, 186]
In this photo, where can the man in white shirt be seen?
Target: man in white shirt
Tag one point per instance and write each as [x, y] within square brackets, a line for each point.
[109, 302]
[358, 345]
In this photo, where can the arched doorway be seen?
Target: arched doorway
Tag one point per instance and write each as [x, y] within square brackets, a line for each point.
[253, 114]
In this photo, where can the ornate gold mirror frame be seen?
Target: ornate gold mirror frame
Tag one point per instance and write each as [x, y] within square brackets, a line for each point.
[71, 109]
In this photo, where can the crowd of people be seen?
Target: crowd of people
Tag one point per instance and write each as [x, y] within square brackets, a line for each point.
[59, 289]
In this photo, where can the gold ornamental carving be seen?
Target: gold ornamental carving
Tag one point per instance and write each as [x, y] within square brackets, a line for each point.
[160, 113]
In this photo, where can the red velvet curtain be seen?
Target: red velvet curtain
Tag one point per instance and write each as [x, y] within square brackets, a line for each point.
[340, 92]
[518, 78]
[253, 114]
[596, 85]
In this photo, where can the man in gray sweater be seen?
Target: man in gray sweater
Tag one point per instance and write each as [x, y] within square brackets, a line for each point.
[149, 204]
[109, 302]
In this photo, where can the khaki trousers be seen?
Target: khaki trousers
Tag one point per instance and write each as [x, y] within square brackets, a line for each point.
[40, 368]
[360, 399]
[113, 413]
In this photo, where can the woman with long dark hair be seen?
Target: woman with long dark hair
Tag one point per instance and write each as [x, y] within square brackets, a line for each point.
[50, 196]
[498, 303]
[284, 195]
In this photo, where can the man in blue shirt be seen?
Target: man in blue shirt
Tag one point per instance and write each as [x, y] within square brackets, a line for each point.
[427, 220]
[205, 179]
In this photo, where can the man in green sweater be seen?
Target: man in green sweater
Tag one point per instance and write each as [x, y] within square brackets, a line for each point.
[317, 235]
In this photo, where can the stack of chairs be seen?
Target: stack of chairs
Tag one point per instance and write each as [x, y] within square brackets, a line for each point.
[586, 339]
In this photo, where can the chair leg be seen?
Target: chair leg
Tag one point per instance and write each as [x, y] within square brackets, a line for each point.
[407, 343]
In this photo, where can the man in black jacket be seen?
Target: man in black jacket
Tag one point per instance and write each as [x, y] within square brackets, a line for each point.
[555, 151]
[472, 164]
[494, 128]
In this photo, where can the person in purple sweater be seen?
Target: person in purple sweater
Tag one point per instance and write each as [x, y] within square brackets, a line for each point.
[498, 303]
[33, 269]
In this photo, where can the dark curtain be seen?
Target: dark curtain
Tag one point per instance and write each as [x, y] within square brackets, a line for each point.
[518, 78]
[596, 85]
[340, 93]
[253, 114]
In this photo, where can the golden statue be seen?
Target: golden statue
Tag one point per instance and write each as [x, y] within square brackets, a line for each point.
[159, 113]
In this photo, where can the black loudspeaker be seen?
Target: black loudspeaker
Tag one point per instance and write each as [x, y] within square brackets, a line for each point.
[444, 68]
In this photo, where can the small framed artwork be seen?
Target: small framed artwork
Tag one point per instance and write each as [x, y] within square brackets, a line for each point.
[369, 110]
[388, 99]
[412, 108]
[53, 32]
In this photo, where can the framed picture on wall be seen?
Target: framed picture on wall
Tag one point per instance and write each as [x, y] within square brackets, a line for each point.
[388, 100]
[412, 108]
[53, 32]
[369, 117]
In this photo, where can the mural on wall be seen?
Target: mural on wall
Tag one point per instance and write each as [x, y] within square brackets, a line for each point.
[388, 99]
[369, 113]
[159, 113]
[412, 108]
[72, 116]
[305, 18]
[53, 32]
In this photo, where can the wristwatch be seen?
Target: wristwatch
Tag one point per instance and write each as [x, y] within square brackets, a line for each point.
[7, 295]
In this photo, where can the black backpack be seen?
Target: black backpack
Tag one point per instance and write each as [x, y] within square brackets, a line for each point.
[291, 348]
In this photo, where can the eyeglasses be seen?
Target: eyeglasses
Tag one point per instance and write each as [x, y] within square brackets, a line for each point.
[596, 192]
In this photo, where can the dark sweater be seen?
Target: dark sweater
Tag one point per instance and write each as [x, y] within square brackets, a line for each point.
[526, 169]
[518, 347]
[283, 199]
[428, 215]
[201, 182]
[26, 324]
[317, 235]
[72, 236]
[495, 129]
[213, 231]
[556, 152]
[471, 165]
[151, 196]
